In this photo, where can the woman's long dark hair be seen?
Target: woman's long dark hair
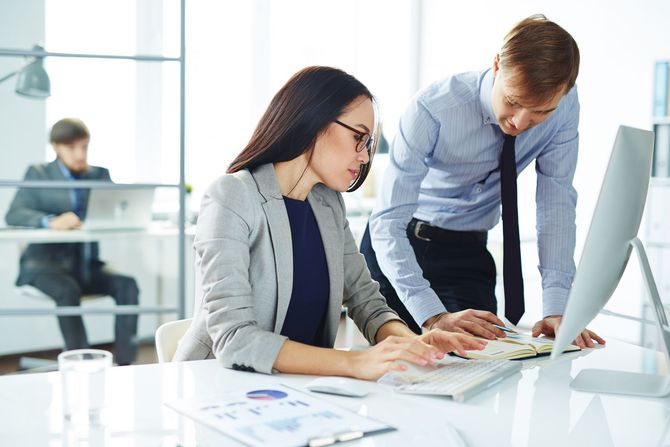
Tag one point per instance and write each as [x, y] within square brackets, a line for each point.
[298, 113]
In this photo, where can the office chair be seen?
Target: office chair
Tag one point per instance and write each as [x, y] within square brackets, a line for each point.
[32, 292]
[168, 336]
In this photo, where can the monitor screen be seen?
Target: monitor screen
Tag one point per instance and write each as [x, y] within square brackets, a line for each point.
[614, 225]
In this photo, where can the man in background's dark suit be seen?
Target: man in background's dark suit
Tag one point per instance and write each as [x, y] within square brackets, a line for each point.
[65, 271]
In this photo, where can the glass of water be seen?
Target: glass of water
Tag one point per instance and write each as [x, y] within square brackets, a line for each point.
[83, 381]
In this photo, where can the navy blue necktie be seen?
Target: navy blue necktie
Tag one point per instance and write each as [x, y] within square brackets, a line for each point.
[85, 248]
[79, 198]
[512, 278]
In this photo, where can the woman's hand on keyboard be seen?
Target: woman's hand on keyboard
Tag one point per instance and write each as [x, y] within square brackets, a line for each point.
[421, 350]
[452, 342]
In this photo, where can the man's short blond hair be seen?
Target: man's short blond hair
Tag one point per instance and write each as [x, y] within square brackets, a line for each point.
[539, 58]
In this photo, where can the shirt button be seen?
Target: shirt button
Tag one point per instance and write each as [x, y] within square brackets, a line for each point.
[478, 189]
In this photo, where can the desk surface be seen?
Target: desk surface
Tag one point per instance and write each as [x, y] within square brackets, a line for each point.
[45, 235]
[534, 408]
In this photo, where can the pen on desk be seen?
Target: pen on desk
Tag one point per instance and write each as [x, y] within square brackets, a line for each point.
[349, 435]
[321, 441]
[505, 328]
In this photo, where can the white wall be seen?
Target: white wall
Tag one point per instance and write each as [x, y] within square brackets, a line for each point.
[22, 120]
[240, 53]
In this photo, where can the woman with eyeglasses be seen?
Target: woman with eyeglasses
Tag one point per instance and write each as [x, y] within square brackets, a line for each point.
[274, 253]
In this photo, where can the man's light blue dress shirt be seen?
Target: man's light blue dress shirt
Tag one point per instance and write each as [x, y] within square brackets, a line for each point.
[444, 169]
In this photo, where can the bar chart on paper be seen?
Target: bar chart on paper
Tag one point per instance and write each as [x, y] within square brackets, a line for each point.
[278, 416]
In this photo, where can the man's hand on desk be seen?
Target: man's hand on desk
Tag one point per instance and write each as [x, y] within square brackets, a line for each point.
[65, 221]
[549, 327]
[470, 321]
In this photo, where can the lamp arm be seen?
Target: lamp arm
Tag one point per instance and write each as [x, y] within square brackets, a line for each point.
[3, 79]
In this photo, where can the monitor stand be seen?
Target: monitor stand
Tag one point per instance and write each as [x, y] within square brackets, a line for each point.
[636, 384]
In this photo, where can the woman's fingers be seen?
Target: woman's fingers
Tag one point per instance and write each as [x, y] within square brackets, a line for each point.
[395, 366]
[425, 349]
[417, 350]
[408, 356]
[471, 342]
[445, 341]
[464, 343]
[457, 346]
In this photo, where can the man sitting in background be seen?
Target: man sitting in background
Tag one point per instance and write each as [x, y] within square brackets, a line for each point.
[65, 271]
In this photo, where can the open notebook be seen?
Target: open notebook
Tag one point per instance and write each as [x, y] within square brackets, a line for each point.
[516, 346]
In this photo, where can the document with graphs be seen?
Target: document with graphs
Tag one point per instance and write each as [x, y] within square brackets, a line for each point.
[279, 416]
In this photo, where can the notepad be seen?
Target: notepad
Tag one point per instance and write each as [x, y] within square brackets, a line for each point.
[516, 346]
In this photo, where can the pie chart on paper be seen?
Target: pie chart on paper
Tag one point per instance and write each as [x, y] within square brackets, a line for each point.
[266, 395]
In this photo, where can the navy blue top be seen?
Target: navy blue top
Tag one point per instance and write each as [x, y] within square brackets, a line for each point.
[306, 313]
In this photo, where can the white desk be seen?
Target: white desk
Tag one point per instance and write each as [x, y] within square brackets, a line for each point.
[534, 408]
[45, 235]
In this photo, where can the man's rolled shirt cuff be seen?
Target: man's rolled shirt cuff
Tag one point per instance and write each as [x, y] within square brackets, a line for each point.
[554, 300]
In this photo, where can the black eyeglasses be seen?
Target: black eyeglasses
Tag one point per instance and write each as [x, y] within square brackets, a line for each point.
[364, 140]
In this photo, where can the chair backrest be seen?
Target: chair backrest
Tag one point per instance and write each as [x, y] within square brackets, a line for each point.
[168, 336]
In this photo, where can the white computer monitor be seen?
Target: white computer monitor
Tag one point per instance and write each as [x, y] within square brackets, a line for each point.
[610, 240]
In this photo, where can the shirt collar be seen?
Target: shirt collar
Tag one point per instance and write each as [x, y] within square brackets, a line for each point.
[485, 92]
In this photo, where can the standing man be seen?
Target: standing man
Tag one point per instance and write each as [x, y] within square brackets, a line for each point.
[65, 271]
[455, 159]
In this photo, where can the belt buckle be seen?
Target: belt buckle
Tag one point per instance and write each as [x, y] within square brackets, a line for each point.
[417, 230]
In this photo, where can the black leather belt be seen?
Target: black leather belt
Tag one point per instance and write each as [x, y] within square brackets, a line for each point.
[425, 232]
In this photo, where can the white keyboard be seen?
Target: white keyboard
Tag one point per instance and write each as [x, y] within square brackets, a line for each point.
[458, 379]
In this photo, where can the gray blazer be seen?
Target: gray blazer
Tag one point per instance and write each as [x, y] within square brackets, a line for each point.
[30, 205]
[243, 254]
[28, 208]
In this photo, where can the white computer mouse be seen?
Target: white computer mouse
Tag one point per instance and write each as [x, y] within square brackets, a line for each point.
[341, 386]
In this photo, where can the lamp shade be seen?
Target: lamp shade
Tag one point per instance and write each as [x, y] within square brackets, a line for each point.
[33, 80]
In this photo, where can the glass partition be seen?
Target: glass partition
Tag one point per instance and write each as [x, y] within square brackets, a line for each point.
[114, 226]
